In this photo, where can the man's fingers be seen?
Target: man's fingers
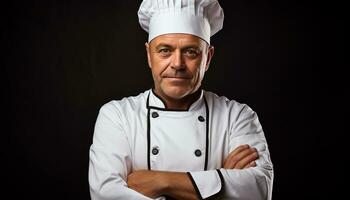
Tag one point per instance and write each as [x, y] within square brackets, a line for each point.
[240, 157]
[235, 152]
[247, 160]
[251, 164]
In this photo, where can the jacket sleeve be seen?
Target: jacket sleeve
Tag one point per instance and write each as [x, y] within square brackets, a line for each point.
[254, 183]
[110, 158]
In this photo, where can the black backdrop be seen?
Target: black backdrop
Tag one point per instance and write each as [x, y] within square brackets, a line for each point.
[62, 60]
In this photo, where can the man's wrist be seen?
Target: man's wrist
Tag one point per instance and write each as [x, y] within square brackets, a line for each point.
[163, 181]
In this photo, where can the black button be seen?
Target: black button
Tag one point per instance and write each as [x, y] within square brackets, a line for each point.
[198, 153]
[201, 119]
[155, 114]
[155, 150]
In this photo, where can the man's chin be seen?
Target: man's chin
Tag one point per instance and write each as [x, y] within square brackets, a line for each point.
[177, 92]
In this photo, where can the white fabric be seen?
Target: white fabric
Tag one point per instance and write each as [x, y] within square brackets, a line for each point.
[120, 147]
[202, 18]
[207, 182]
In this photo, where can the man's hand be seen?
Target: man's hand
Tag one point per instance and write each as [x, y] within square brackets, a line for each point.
[148, 183]
[158, 183]
[242, 157]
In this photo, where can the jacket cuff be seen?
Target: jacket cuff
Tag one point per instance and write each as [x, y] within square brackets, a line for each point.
[206, 183]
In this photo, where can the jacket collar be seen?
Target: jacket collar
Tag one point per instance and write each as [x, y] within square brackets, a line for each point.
[155, 102]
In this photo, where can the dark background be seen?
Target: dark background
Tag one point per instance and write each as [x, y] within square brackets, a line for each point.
[62, 60]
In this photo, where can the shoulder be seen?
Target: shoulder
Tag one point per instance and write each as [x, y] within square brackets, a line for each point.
[222, 104]
[222, 101]
[126, 104]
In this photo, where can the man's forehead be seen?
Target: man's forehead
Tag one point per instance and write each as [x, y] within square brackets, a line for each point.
[178, 39]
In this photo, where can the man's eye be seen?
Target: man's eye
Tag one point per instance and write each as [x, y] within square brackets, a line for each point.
[191, 53]
[164, 51]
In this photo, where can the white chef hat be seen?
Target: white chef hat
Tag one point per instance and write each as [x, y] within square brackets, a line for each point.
[202, 18]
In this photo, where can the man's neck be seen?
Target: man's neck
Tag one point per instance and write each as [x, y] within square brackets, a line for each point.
[179, 104]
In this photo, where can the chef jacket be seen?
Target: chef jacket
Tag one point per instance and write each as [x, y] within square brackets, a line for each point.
[140, 133]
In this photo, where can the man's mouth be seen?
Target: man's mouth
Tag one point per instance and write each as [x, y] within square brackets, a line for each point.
[177, 77]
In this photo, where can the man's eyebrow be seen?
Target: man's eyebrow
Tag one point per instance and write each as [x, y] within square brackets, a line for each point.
[162, 45]
[192, 46]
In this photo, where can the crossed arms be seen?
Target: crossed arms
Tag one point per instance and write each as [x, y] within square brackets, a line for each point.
[179, 185]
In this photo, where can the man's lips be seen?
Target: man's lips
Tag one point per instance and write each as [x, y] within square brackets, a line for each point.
[177, 77]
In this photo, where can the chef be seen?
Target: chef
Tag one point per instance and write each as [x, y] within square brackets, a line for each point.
[177, 140]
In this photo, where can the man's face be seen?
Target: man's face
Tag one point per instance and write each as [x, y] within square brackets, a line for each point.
[178, 63]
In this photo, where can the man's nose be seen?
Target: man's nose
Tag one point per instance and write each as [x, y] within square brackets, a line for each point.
[178, 61]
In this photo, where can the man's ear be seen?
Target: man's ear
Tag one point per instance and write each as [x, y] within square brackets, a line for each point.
[148, 54]
[210, 55]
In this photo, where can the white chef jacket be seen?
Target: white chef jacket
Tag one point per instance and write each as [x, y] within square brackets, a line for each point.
[140, 133]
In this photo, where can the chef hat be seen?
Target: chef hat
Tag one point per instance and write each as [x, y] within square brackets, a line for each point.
[202, 18]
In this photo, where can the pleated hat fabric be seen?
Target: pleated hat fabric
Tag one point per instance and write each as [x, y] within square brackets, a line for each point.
[202, 18]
